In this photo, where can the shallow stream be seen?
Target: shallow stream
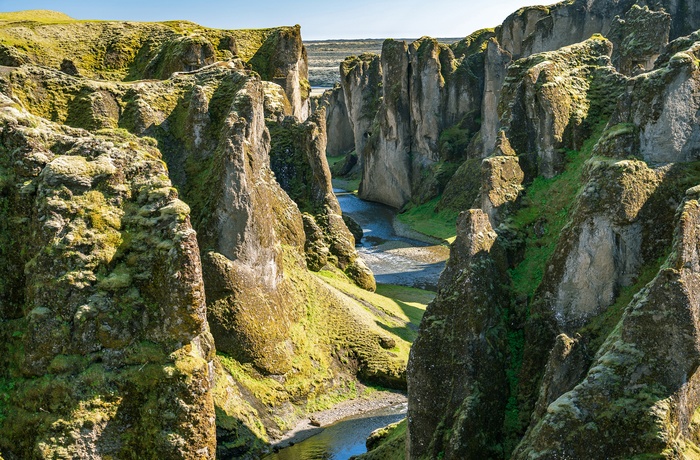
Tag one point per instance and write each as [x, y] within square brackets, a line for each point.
[343, 439]
[394, 259]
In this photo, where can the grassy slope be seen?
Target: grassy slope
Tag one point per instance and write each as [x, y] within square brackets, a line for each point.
[424, 219]
[338, 332]
[547, 205]
[398, 309]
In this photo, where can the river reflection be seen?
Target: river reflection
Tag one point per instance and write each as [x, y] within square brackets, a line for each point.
[343, 439]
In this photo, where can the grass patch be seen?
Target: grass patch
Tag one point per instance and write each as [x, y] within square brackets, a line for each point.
[398, 309]
[388, 443]
[437, 224]
[332, 161]
[546, 210]
[349, 185]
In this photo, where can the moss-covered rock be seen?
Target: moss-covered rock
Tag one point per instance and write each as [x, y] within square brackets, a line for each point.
[657, 116]
[642, 382]
[456, 372]
[297, 157]
[127, 51]
[104, 323]
[550, 101]
[387, 443]
[640, 37]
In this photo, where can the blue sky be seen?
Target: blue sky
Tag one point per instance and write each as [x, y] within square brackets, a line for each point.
[319, 19]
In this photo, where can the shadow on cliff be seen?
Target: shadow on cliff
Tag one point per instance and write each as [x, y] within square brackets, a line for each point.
[237, 443]
[409, 331]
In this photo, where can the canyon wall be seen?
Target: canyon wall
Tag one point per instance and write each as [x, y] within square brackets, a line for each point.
[441, 107]
[155, 274]
[585, 290]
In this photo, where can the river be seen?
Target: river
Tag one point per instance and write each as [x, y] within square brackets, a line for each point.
[394, 259]
[343, 439]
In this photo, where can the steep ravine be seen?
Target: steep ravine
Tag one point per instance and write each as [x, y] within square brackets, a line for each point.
[166, 292]
[177, 279]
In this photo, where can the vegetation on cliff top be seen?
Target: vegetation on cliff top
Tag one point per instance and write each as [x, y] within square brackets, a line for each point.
[122, 50]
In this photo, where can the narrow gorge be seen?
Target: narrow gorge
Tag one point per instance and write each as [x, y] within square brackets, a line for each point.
[179, 278]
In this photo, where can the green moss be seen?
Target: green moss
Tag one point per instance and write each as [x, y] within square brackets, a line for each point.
[474, 43]
[453, 142]
[425, 219]
[546, 210]
[291, 164]
[46, 16]
[512, 424]
[388, 443]
[120, 50]
[305, 88]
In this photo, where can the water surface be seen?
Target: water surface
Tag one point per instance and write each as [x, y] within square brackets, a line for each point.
[392, 258]
[343, 439]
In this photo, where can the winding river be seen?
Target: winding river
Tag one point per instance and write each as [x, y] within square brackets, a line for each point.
[394, 259]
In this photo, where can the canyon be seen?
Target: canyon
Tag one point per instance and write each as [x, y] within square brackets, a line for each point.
[178, 280]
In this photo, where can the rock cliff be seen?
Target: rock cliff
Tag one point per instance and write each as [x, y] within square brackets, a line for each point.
[106, 324]
[343, 140]
[588, 199]
[128, 51]
[457, 383]
[298, 158]
[452, 94]
[104, 320]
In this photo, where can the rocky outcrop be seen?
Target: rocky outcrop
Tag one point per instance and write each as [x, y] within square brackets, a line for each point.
[658, 114]
[103, 315]
[589, 324]
[502, 179]
[361, 80]
[454, 92]
[647, 370]
[456, 379]
[282, 59]
[107, 50]
[547, 99]
[298, 159]
[639, 37]
[496, 62]
[276, 325]
[342, 141]
[426, 88]
[610, 217]
[391, 137]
